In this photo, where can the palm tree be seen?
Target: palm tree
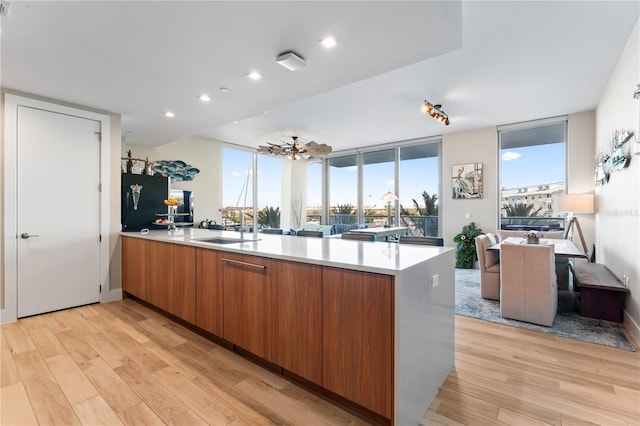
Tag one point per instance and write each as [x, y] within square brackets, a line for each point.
[521, 210]
[269, 217]
[430, 209]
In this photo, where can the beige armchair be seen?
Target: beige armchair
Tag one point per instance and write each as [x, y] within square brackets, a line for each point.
[528, 289]
[489, 264]
[562, 263]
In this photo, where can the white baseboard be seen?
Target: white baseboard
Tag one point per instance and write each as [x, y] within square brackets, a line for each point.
[632, 326]
[111, 295]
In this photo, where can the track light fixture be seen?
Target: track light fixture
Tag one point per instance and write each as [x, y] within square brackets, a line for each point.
[436, 112]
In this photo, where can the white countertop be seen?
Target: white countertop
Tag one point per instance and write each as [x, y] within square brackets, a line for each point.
[378, 257]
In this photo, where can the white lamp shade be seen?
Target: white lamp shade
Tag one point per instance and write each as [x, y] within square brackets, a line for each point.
[389, 197]
[576, 203]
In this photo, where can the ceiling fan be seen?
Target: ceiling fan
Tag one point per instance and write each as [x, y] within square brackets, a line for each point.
[296, 149]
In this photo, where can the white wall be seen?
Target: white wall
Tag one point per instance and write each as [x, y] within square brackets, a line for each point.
[581, 131]
[617, 222]
[462, 148]
[294, 192]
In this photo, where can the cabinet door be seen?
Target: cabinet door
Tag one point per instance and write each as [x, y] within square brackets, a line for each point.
[209, 291]
[247, 301]
[357, 337]
[135, 262]
[184, 283]
[161, 275]
[297, 318]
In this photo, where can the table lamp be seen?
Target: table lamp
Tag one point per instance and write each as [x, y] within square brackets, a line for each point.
[576, 203]
[389, 197]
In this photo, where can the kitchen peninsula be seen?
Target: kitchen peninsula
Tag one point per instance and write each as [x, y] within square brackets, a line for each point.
[367, 323]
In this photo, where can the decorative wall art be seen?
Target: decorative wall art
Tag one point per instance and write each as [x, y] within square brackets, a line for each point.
[176, 170]
[467, 180]
[617, 160]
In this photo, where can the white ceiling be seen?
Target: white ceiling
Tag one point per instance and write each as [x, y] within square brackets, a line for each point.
[487, 63]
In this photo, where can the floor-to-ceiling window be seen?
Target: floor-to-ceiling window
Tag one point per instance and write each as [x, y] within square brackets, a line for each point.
[343, 189]
[420, 188]
[378, 178]
[269, 191]
[414, 178]
[532, 174]
[314, 193]
[237, 187]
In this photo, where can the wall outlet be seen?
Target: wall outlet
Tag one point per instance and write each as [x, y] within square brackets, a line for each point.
[467, 215]
[435, 281]
[625, 280]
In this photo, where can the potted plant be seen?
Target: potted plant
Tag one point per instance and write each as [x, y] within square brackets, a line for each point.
[466, 246]
[533, 237]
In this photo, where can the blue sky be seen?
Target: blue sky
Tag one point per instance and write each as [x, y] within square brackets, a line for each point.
[532, 165]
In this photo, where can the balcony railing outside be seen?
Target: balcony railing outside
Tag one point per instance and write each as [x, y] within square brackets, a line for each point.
[418, 225]
[517, 223]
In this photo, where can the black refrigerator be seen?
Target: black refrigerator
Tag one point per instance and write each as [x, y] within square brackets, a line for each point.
[142, 199]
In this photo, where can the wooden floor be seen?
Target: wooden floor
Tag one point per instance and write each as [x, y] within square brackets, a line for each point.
[120, 363]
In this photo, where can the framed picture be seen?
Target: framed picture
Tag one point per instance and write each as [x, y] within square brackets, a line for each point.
[467, 180]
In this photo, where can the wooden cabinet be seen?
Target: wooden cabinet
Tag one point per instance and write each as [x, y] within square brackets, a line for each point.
[161, 275]
[357, 337]
[184, 283]
[209, 291]
[247, 302]
[297, 318]
[135, 263]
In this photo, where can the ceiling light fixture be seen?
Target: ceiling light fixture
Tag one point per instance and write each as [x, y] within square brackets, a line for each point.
[254, 75]
[328, 42]
[290, 60]
[204, 98]
[169, 114]
[436, 112]
[296, 149]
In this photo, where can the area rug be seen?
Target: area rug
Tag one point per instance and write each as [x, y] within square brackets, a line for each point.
[567, 322]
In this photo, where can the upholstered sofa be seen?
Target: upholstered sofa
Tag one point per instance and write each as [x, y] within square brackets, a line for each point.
[489, 264]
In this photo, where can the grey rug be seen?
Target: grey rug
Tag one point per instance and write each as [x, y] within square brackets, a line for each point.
[566, 324]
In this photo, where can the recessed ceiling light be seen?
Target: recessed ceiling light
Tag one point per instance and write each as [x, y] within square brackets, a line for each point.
[235, 121]
[204, 98]
[224, 90]
[169, 114]
[328, 42]
[254, 75]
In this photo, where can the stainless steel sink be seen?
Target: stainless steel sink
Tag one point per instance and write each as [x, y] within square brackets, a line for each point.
[222, 240]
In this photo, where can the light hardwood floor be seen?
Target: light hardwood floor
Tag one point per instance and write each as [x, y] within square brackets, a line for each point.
[120, 363]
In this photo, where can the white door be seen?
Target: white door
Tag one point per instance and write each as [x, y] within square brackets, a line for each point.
[58, 219]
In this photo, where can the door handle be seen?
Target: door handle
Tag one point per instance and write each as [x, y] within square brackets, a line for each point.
[26, 235]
